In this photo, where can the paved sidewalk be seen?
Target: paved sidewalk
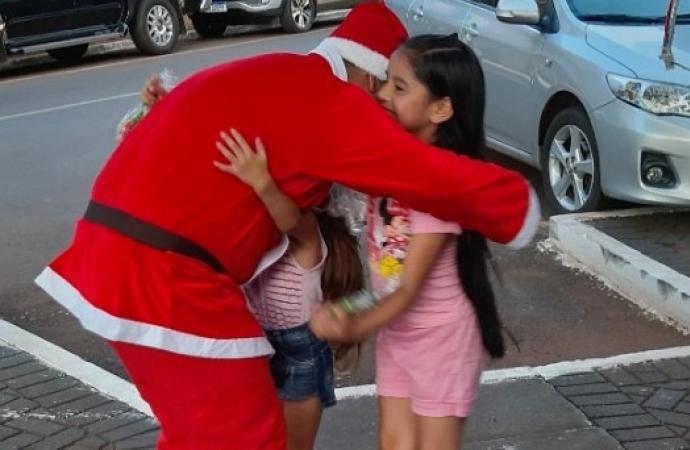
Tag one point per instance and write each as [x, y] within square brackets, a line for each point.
[44, 409]
[632, 402]
[641, 406]
[644, 406]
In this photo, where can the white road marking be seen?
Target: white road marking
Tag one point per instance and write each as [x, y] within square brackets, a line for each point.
[119, 63]
[124, 391]
[67, 106]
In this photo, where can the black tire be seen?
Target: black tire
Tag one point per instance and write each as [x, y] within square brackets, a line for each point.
[577, 170]
[156, 27]
[298, 15]
[209, 25]
[69, 54]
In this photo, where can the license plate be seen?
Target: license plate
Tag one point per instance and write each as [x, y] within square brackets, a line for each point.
[218, 7]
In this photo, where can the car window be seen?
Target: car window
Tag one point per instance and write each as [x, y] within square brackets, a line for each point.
[624, 11]
[491, 3]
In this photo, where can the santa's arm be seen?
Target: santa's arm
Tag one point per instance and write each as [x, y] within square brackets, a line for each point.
[368, 151]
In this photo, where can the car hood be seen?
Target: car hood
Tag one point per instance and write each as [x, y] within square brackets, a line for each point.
[639, 48]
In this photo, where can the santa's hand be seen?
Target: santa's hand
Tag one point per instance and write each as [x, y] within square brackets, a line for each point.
[153, 91]
[246, 164]
[331, 323]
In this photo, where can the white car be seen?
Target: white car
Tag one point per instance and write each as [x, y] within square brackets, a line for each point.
[579, 89]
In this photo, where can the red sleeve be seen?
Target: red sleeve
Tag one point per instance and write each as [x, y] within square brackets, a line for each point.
[368, 151]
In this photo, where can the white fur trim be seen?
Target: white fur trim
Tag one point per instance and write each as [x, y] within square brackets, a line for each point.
[327, 50]
[271, 256]
[531, 223]
[361, 56]
[144, 334]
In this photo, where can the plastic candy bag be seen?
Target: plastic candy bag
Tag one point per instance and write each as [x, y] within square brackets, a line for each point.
[350, 205]
[134, 115]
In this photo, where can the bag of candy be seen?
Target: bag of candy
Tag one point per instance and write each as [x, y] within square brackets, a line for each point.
[134, 115]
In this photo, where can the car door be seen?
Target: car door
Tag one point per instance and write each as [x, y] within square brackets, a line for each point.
[93, 13]
[511, 58]
[411, 14]
[445, 16]
[417, 21]
[29, 19]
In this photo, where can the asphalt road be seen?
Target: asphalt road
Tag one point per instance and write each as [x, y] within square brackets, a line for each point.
[57, 127]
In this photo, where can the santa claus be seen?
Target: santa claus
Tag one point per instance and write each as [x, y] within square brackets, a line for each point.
[167, 240]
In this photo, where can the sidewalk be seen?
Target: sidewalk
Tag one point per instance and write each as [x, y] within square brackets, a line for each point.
[634, 402]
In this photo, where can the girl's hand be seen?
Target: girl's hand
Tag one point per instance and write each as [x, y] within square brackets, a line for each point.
[152, 91]
[330, 323]
[246, 164]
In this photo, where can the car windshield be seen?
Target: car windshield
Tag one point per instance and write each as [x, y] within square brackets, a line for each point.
[627, 11]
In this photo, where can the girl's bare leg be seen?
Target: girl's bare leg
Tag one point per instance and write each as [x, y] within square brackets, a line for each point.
[439, 433]
[396, 424]
[303, 419]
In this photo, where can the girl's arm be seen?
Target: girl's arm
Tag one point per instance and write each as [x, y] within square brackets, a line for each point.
[251, 167]
[422, 253]
[330, 321]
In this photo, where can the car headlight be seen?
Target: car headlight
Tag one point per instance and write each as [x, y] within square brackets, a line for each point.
[652, 96]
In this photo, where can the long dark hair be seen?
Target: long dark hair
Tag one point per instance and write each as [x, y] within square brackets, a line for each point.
[449, 68]
[343, 274]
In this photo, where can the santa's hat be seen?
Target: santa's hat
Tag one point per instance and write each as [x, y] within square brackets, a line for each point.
[368, 36]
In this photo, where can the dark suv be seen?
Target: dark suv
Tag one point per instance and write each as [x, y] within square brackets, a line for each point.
[65, 28]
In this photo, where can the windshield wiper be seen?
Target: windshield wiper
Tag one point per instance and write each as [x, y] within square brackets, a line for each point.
[620, 18]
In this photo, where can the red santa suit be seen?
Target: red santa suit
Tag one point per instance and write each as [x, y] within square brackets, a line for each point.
[156, 266]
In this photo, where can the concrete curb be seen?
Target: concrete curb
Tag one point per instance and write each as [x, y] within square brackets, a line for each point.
[651, 285]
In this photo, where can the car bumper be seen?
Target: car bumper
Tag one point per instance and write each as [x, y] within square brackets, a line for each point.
[249, 6]
[624, 133]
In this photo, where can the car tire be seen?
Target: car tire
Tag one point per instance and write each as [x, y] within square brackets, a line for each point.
[208, 25]
[69, 54]
[298, 15]
[569, 162]
[156, 27]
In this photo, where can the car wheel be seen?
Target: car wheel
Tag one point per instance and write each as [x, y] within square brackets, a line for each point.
[298, 15]
[69, 54]
[156, 27]
[208, 26]
[570, 163]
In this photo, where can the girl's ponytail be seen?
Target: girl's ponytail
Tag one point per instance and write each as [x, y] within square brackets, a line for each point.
[472, 255]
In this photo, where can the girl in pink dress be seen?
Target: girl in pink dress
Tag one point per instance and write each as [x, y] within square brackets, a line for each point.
[436, 317]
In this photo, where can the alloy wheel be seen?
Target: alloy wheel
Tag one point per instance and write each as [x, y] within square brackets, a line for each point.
[571, 168]
[302, 12]
[159, 23]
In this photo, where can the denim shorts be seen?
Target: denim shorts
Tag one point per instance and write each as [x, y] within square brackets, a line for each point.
[302, 366]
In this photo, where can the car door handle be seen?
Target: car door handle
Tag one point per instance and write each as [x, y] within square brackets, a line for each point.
[418, 13]
[470, 30]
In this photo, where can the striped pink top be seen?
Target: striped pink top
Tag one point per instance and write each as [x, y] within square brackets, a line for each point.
[286, 294]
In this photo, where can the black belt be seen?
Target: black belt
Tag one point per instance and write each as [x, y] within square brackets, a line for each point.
[148, 234]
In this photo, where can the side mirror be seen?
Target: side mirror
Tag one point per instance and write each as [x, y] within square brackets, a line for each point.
[523, 12]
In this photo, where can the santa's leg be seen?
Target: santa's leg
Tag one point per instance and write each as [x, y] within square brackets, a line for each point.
[209, 404]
